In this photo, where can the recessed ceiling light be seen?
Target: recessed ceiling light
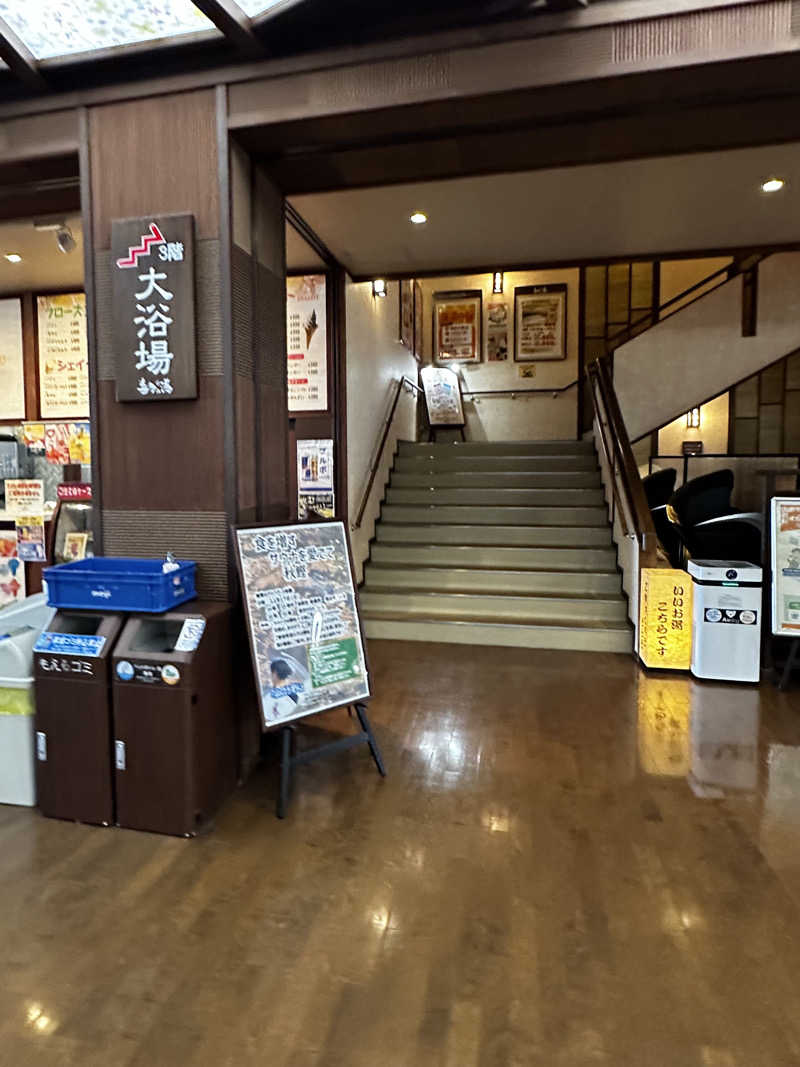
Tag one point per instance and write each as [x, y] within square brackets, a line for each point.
[419, 217]
[772, 185]
[13, 257]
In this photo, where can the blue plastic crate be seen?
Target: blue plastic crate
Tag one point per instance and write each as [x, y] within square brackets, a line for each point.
[109, 584]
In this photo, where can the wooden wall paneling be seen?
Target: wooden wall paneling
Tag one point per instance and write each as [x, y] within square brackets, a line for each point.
[340, 408]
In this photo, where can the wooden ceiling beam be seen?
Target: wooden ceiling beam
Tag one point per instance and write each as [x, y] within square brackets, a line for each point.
[233, 23]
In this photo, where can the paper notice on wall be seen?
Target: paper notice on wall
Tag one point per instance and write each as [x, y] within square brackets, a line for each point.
[315, 496]
[12, 373]
[12, 572]
[24, 496]
[63, 356]
[30, 538]
[307, 343]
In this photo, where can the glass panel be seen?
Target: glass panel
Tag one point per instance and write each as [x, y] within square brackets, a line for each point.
[772, 384]
[618, 294]
[595, 301]
[792, 427]
[746, 402]
[793, 371]
[745, 436]
[70, 26]
[770, 428]
[258, 7]
[642, 285]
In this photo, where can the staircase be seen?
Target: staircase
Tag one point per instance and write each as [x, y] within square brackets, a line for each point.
[496, 544]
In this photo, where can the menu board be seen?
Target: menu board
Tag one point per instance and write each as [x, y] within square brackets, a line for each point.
[12, 374]
[63, 356]
[302, 614]
[307, 343]
[786, 565]
[442, 396]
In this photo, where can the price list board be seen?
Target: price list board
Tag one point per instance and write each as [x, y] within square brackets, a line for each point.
[63, 356]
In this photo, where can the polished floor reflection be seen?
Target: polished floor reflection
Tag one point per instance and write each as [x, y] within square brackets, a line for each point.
[570, 864]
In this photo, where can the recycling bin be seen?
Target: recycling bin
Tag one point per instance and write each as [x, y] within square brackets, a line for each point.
[72, 670]
[726, 636]
[20, 626]
[174, 718]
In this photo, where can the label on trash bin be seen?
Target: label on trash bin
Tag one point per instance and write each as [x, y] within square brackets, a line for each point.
[191, 632]
[70, 644]
[730, 616]
[148, 673]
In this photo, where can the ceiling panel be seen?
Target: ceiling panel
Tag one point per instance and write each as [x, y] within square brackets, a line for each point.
[43, 266]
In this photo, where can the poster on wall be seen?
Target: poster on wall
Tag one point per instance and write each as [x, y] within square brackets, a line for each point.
[33, 438]
[418, 322]
[785, 536]
[56, 442]
[496, 331]
[24, 496]
[12, 572]
[665, 619]
[540, 315]
[303, 621]
[12, 372]
[30, 538]
[63, 356]
[315, 499]
[442, 396]
[457, 326]
[407, 314]
[307, 342]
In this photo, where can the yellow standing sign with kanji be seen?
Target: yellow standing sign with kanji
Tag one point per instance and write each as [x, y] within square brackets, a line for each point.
[665, 619]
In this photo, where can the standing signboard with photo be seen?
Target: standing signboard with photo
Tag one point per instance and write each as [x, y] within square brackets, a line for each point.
[442, 396]
[785, 537]
[540, 316]
[457, 326]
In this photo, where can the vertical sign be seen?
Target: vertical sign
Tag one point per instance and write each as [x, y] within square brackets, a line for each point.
[63, 356]
[786, 566]
[307, 343]
[665, 619]
[315, 480]
[153, 307]
[12, 375]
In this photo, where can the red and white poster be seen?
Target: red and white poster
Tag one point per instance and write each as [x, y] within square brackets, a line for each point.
[12, 572]
[307, 343]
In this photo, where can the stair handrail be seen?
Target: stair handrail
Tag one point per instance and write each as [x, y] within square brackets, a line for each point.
[631, 502]
[410, 386]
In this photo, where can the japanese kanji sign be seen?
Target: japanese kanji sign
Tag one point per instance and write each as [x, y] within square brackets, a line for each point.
[153, 306]
[63, 356]
[665, 619]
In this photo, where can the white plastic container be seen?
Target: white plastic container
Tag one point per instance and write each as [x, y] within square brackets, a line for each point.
[726, 636]
[20, 626]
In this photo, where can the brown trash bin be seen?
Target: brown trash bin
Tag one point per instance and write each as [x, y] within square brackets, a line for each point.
[174, 719]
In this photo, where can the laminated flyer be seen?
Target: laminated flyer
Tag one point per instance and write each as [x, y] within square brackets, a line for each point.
[302, 614]
[786, 566]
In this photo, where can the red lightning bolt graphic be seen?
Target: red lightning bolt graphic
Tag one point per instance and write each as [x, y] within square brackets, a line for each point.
[132, 259]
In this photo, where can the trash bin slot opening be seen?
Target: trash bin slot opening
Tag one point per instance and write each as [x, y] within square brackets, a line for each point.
[156, 635]
[66, 623]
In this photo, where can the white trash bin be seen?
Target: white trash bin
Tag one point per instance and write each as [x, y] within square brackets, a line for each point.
[726, 635]
[20, 626]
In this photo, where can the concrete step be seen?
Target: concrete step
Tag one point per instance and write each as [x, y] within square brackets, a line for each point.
[498, 448]
[423, 533]
[489, 556]
[470, 462]
[564, 610]
[496, 480]
[601, 638]
[494, 515]
[486, 580]
[497, 497]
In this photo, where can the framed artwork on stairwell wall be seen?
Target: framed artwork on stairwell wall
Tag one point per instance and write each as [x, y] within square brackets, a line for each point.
[407, 314]
[458, 326]
[540, 317]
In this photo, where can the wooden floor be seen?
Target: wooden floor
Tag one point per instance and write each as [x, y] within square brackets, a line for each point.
[556, 872]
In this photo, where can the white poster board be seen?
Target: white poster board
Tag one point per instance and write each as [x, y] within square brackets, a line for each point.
[785, 537]
[12, 370]
[63, 356]
[315, 479]
[303, 621]
[307, 343]
[442, 396]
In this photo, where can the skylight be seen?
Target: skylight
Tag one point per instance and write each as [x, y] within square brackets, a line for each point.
[70, 26]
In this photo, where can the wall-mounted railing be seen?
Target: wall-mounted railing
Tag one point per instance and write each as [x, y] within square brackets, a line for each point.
[377, 455]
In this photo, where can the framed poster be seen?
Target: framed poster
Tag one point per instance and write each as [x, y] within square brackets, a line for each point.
[457, 326]
[785, 537]
[12, 370]
[419, 322]
[442, 396]
[303, 619]
[63, 356]
[407, 314]
[315, 496]
[307, 342]
[496, 331]
[153, 308]
[540, 316]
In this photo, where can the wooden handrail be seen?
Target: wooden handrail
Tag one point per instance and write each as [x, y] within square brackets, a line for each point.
[632, 504]
[376, 462]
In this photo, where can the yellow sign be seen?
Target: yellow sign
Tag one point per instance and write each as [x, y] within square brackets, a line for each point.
[665, 619]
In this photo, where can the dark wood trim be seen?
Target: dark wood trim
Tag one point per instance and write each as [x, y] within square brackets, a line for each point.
[311, 237]
[233, 23]
[581, 348]
[89, 289]
[339, 278]
[19, 58]
[226, 300]
[750, 301]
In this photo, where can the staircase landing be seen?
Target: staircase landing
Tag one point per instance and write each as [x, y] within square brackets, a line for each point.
[496, 544]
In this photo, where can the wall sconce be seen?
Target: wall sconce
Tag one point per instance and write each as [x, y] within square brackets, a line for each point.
[693, 419]
[379, 287]
[497, 282]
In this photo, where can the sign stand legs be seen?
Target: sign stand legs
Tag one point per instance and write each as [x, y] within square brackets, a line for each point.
[791, 660]
[291, 758]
